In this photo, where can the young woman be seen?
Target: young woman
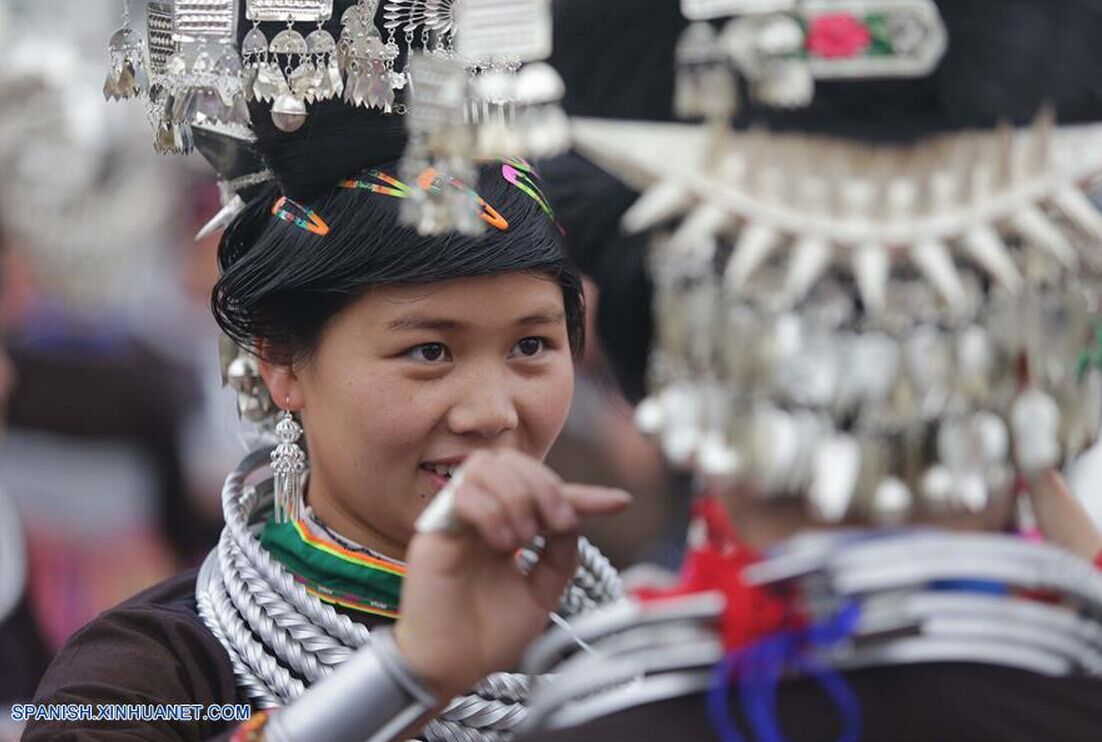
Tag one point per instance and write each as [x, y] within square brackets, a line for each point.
[417, 369]
[407, 359]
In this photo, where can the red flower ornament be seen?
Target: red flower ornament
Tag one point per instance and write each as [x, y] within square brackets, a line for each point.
[837, 36]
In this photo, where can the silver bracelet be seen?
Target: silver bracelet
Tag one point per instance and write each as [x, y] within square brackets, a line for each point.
[373, 696]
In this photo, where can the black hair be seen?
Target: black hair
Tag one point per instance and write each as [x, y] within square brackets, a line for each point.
[282, 284]
[589, 204]
[338, 139]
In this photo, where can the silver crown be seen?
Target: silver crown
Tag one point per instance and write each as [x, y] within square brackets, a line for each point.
[484, 91]
[888, 330]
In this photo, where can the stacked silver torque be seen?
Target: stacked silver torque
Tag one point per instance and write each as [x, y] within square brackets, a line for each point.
[276, 633]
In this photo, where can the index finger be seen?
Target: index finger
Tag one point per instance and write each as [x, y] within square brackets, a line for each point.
[592, 499]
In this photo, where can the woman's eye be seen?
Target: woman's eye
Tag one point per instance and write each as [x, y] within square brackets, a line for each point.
[429, 352]
[529, 346]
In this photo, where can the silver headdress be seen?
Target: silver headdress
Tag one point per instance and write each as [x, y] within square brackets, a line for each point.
[884, 330]
[68, 198]
[888, 330]
[469, 75]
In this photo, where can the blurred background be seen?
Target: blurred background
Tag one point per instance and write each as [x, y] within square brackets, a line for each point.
[116, 433]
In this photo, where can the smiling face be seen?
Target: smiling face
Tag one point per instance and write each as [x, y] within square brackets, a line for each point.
[409, 380]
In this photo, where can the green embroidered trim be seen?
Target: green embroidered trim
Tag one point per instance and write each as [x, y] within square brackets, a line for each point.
[333, 573]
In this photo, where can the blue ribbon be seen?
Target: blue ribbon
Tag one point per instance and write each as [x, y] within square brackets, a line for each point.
[759, 667]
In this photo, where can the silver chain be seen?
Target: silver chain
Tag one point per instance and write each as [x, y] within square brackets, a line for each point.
[276, 633]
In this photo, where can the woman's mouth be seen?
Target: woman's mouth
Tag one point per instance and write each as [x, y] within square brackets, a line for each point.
[439, 474]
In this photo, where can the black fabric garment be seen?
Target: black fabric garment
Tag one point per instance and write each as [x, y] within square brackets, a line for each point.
[23, 655]
[588, 204]
[153, 648]
[919, 703]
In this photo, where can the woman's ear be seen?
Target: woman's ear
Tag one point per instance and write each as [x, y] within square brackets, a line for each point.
[282, 381]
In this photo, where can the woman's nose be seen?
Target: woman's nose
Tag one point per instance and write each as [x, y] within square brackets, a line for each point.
[486, 407]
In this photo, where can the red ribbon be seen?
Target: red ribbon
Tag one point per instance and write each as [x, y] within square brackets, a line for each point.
[716, 562]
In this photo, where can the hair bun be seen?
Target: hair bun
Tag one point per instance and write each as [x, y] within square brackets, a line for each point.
[337, 139]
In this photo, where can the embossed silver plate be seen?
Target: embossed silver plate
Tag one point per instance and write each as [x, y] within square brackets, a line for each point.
[702, 10]
[159, 30]
[504, 29]
[288, 10]
[197, 20]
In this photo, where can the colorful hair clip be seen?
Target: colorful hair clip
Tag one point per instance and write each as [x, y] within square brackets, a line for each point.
[523, 176]
[387, 185]
[297, 214]
[430, 179]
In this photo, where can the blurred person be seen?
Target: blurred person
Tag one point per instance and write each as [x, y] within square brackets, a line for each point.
[405, 366]
[91, 456]
[209, 436]
[23, 653]
[862, 568]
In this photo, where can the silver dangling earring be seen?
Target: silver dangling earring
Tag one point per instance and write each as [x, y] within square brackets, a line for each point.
[288, 464]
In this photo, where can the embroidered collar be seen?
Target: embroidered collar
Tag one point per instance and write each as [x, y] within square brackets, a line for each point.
[333, 568]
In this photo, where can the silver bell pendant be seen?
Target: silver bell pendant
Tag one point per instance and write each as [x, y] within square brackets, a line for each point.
[288, 113]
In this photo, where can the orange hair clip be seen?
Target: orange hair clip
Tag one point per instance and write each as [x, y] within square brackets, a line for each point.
[284, 208]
